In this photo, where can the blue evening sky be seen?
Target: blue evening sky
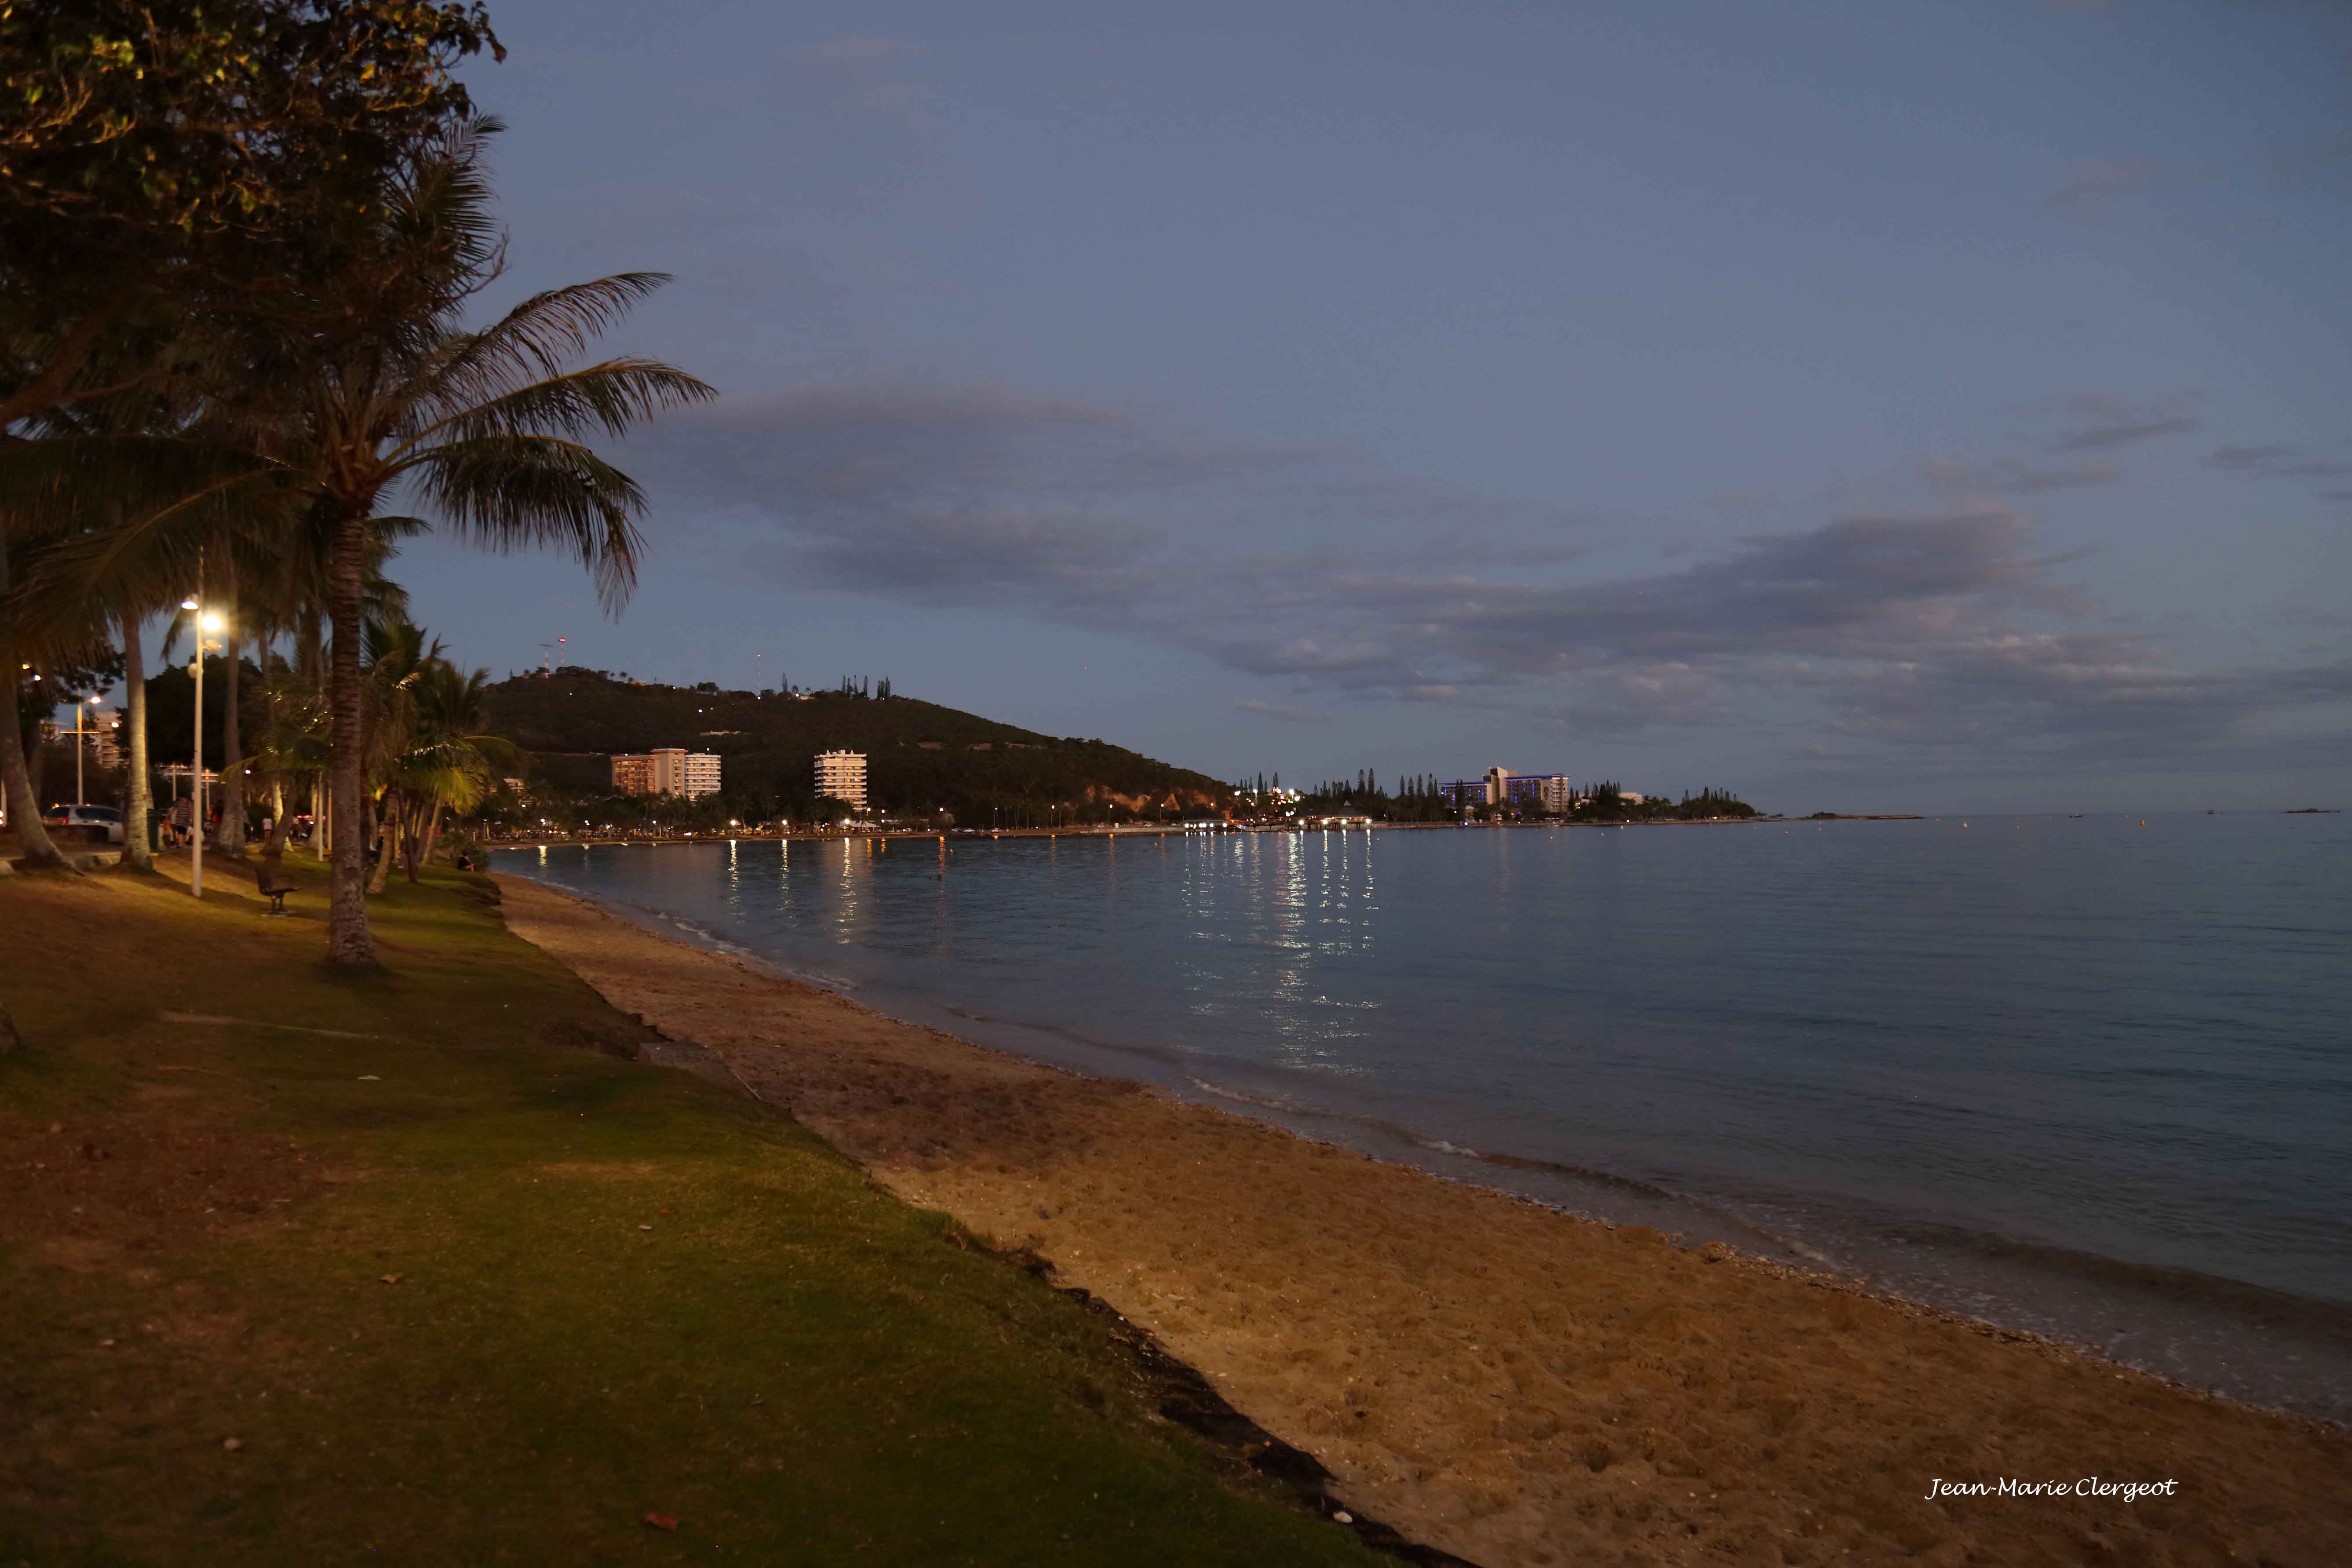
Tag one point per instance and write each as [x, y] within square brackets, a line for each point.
[1902, 406]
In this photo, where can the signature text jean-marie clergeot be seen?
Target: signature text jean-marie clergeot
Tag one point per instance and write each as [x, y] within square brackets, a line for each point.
[2089, 1486]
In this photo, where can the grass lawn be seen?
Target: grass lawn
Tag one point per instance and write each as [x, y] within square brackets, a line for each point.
[453, 1284]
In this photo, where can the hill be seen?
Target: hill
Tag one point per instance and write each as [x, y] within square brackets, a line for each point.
[920, 756]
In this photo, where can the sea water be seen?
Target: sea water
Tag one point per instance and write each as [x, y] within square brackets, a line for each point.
[2087, 1077]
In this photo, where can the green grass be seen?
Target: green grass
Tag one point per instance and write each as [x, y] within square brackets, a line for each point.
[796, 1365]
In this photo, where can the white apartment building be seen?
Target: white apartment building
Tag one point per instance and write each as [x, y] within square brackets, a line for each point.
[697, 773]
[1559, 795]
[842, 775]
[666, 770]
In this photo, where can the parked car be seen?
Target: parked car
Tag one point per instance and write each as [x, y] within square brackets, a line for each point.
[103, 819]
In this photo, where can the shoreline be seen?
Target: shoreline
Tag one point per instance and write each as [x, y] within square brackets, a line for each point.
[2255, 1344]
[1494, 1376]
[1155, 830]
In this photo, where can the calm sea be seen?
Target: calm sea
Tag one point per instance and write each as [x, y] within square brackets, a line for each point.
[2087, 1077]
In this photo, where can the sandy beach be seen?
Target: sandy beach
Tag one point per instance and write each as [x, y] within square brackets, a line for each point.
[1490, 1376]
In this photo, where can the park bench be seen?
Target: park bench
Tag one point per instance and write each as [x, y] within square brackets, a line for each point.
[275, 891]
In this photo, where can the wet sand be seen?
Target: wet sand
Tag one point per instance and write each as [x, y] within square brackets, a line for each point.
[1490, 1376]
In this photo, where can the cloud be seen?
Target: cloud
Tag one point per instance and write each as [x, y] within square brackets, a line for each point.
[2271, 462]
[853, 50]
[2247, 459]
[2101, 437]
[2016, 478]
[2098, 184]
[2103, 420]
[1327, 575]
[1264, 709]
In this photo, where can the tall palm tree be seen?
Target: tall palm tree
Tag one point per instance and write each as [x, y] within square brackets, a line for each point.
[139, 802]
[485, 428]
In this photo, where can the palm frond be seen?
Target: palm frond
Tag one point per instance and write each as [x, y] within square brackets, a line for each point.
[537, 338]
[508, 492]
[611, 396]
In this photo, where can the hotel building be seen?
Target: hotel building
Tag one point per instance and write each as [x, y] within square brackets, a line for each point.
[1552, 793]
[666, 770]
[842, 775]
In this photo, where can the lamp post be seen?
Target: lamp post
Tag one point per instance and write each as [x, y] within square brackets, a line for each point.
[81, 796]
[204, 623]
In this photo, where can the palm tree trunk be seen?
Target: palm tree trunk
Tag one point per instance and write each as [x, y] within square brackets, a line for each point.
[412, 832]
[321, 828]
[431, 832]
[23, 809]
[231, 841]
[347, 939]
[388, 817]
[139, 804]
[274, 848]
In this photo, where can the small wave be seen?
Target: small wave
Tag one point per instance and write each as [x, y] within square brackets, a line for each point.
[1205, 1087]
[2278, 1311]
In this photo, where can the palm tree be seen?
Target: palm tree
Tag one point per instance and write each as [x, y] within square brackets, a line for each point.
[485, 428]
[451, 761]
[398, 660]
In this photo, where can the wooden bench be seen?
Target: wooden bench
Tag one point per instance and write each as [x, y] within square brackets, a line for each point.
[274, 891]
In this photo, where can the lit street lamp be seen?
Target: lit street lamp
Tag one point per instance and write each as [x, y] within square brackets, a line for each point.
[81, 796]
[204, 623]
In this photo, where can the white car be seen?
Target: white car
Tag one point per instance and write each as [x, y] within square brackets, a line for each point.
[96, 817]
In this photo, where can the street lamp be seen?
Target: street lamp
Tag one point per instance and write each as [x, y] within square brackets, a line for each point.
[81, 796]
[204, 623]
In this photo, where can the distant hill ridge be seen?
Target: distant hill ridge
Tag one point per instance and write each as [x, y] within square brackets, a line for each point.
[921, 756]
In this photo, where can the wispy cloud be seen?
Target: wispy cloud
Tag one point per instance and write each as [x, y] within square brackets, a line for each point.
[2100, 421]
[2014, 478]
[2247, 459]
[2272, 462]
[2098, 184]
[2100, 437]
[853, 49]
[1275, 710]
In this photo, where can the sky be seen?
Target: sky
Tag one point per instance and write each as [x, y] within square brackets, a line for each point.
[1909, 407]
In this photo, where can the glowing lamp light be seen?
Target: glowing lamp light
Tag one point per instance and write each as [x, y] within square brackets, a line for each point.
[212, 622]
[187, 604]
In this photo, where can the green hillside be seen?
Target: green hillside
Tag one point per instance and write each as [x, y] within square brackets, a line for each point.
[921, 757]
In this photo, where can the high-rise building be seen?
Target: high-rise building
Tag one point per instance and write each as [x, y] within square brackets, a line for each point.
[842, 775]
[106, 739]
[677, 771]
[1551, 794]
[666, 770]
